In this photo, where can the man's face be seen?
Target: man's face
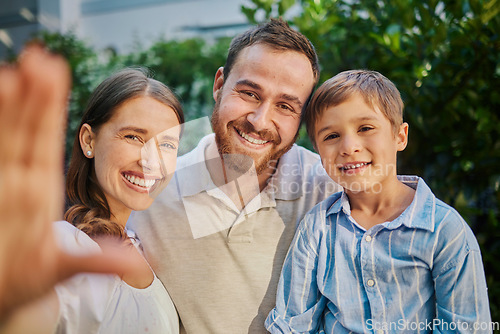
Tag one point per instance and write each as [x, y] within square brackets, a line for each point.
[258, 107]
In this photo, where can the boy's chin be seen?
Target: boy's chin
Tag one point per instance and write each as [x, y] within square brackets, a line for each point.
[361, 187]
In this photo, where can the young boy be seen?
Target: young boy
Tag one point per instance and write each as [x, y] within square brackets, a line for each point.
[384, 255]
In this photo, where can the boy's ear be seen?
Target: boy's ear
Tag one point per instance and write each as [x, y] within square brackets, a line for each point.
[87, 139]
[218, 82]
[402, 136]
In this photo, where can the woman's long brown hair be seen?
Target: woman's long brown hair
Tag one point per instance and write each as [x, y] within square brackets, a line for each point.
[88, 208]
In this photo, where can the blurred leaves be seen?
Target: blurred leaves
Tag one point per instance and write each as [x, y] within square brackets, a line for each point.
[444, 56]
[187, 67]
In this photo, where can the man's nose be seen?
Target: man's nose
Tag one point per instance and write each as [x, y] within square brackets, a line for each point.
[261, 117]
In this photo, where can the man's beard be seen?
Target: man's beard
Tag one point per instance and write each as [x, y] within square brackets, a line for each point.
[241, 161]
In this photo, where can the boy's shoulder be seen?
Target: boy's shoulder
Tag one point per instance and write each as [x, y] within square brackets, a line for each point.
[442, 219]
[332, 203]
[317, 215]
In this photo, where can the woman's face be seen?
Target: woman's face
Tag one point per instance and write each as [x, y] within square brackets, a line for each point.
[134, 153]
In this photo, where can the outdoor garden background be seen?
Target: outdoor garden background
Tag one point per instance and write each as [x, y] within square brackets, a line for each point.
[444, 56]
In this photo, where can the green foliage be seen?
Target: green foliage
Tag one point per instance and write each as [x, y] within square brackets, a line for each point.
[444, 56]
[187, 67]
[83, 64]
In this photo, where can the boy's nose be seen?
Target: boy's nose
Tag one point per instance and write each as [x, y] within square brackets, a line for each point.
[350, 145]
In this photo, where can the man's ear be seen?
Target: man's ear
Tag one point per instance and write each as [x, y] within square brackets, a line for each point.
[87, 139]
[218, 82]
[402, 136]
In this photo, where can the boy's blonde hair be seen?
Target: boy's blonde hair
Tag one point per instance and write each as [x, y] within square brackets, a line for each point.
[373, 87]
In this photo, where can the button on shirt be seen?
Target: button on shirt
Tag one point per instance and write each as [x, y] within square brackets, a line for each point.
[418, 273]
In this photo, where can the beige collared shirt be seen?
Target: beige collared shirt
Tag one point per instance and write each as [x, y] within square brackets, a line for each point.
[221, 265]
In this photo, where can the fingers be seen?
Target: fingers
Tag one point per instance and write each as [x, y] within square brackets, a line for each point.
[10, 102]
[46, 82]
[114, 259]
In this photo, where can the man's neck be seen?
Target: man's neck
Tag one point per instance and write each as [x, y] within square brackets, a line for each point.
[240, 186]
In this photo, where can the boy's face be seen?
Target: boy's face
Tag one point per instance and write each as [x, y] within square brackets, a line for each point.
[358, 146]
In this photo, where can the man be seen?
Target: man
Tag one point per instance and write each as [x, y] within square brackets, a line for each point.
[218, 234]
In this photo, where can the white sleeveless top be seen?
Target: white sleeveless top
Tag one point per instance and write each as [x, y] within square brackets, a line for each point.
[96, 303]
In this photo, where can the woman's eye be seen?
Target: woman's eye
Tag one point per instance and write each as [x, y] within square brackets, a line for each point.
[168, 146]
[133, 138]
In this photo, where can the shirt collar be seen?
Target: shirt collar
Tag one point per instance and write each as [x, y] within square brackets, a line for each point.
[191, 174]
[285, 184]
[417, 215]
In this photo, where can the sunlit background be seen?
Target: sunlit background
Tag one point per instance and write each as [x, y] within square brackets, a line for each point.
[443, 55]
[118, 25]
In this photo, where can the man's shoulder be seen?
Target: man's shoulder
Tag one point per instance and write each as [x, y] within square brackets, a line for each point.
[323, 207]
[197, 154]
[306, 156]
[308, 162]
[300, 174]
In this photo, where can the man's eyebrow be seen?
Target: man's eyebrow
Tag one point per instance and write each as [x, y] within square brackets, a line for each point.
[133, 128]
[287, 97]
[293, 99]
[249, 83]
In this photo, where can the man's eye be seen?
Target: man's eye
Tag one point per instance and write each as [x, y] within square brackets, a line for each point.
[249, 94]
[286, 107]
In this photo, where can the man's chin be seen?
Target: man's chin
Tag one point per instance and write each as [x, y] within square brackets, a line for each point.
[241, 157]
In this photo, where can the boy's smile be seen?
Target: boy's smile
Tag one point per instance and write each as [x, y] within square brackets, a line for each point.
[358, 146]
[354, 167]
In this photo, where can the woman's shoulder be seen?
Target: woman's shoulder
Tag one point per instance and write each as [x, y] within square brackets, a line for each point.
[72, 240]
[131, 310]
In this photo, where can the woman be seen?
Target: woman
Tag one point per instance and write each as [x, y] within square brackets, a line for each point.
[124, 153]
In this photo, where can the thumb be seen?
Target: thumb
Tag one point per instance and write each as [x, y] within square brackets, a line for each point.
[114, 259]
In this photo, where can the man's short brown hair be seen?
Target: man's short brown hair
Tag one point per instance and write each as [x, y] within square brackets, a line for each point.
[277, 34]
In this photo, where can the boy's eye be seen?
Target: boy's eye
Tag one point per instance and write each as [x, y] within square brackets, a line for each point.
[331, 136]
[365, 128]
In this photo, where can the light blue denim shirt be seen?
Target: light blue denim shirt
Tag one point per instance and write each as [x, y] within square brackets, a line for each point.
[420, 273]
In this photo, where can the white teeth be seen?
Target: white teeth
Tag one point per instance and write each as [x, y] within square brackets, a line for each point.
[252, 140]
[354, 166]
[140, 182]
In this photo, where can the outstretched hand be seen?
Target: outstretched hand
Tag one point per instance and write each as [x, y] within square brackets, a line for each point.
[33, 100]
